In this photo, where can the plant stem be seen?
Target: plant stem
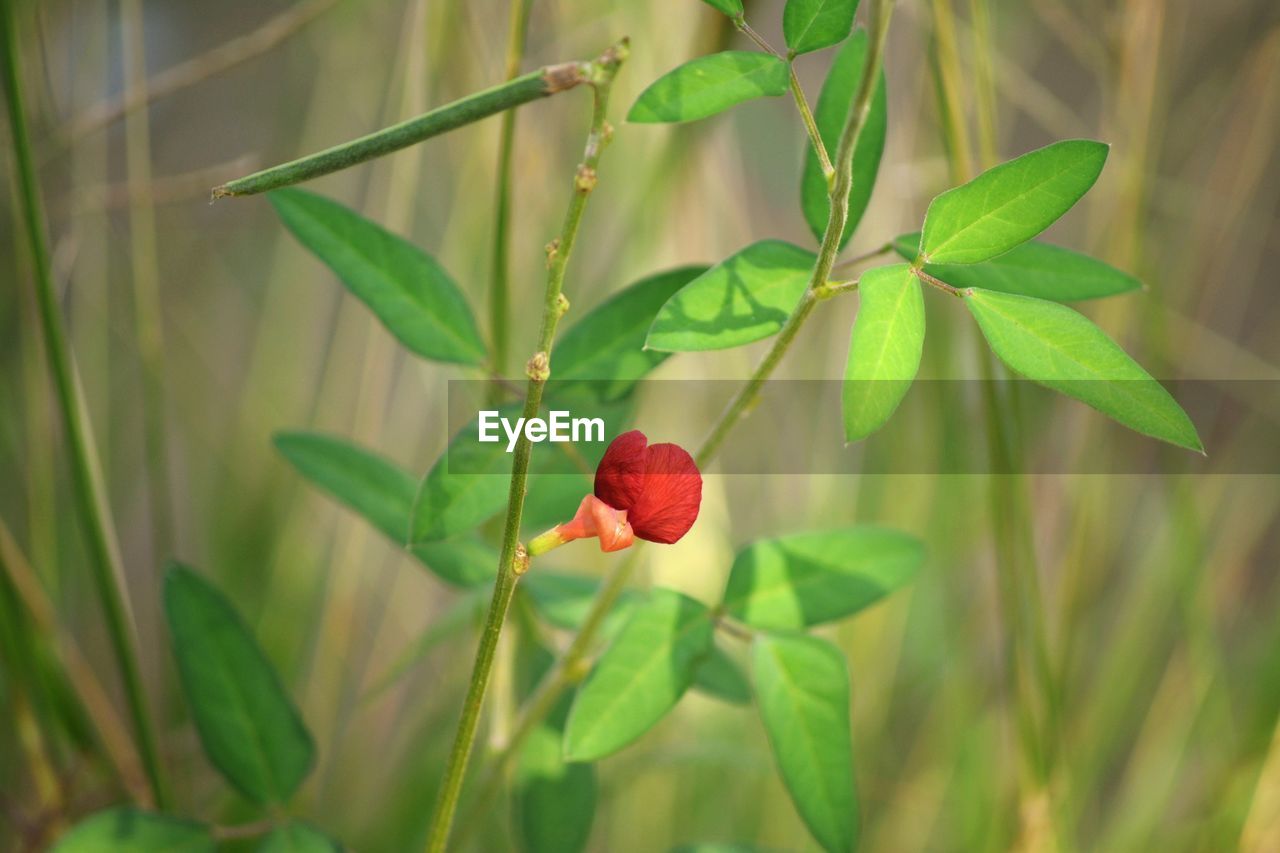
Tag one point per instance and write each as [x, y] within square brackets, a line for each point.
[143, 258]
[570, 667]
[89, 492]
[797, 93]
[528, 87]
[513, 561]
[499, 284]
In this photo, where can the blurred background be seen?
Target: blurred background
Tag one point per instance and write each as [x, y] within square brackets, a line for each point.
[1089, 661]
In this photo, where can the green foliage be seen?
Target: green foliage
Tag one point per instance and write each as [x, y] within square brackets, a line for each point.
[720, 676]
[1011, 203]
[1059, 348]
[1035, 268]
[451, 503]
[556, 800]
[745, 298]
[805, 579]
[810, 25]
[732, 8]
[564, 600]
[802, 689]
[830, 114]
[298, 837]
[884, 348]
[710, 84]
[408, 291]
[376, 488]
[248, 726]
[383, 493]
[607, 345]
[127, 830]
[640, 677]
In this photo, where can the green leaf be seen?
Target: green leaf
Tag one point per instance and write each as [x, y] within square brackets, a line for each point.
[1011, 203]
[383, 493]
[1061, 349]
[450, 503]
[1035, 268]
[564, 600]
[720, 676]
[732, 8]
[802, 689]
[711, 84]
[250, 729]
[466, 560]
[830, 113]
[743, 299]
[640, 677]
[408, 291]
[806, 579]
[128, 830]
[607, 345]
[373, 486]
[298, 837]
[555, 800]
[884, 348]
[810, 25]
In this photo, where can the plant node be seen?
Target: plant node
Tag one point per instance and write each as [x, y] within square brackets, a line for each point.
[539, 367]
[520, 563]
[585, 180]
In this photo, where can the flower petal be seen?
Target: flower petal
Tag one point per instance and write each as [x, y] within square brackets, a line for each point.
[620, 474]
[672, 494]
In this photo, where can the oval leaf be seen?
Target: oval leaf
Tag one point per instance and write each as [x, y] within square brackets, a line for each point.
[374, 487]
[606, 346]
[451, 503]
[127, 830]
[810, 25]
[1035, 268]
[809, 578]
[884, 348]
[249, 728]
[298, 837]
[1011, 203]
[746, 298]
[383, 493]
[711, 84]
[408, 291]
[640, 677]
[732, 8]
[1059, 348]
[834, 103]
[720, 676]
[555, 800]
[802, 689]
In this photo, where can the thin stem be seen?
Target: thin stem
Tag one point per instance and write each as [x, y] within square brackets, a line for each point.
[797, 93]
[523, 89]
[571, 665]
[216, 61]
[877, 252]
[514, 561]
[499, 284]
[143, 258]
[90, 495]
[951, 290]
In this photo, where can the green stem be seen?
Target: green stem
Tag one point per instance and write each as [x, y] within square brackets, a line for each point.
[514, 561]
[570, 666]
[797, 93]
[499, 286]
[90, 495]
[505, 96]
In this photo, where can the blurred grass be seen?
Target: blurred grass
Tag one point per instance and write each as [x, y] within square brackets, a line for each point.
[1159, 593]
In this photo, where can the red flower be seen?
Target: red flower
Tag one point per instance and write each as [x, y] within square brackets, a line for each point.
[650, 491]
